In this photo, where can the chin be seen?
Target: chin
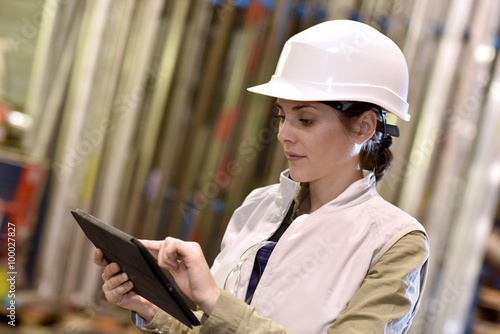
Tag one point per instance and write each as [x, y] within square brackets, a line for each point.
[298, 176]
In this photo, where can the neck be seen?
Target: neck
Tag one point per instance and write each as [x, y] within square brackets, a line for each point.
[323, 191]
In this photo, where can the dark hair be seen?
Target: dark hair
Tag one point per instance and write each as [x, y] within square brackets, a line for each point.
[375, 154]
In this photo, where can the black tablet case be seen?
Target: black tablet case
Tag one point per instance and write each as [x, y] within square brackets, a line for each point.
[142, 268]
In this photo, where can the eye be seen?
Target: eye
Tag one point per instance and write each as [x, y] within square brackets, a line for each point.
[306, 122]
[281, 118]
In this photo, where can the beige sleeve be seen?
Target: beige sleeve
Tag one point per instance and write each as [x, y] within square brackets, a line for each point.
[163, 323]
[386, 302]
[389, 296]
[230, 315]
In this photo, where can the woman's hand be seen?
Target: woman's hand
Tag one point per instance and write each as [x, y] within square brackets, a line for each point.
[187, 264]
[118, 289]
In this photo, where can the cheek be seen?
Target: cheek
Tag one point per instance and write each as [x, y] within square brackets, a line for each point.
[336, 145]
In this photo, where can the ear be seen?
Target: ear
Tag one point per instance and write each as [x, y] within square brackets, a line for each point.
[367, 124]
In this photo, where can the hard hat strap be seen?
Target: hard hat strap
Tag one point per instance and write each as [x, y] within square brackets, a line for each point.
[339, 105]
[382, 126]
[387, 129]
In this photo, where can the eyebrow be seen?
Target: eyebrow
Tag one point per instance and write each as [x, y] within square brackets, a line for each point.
[297, 107]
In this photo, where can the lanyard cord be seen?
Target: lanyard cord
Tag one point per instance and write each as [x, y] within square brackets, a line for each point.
[284, 224]
[264, 253]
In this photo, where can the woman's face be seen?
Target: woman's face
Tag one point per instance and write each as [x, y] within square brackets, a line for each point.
[315, 142]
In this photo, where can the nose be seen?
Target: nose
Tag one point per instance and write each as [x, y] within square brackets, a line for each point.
[285, 133]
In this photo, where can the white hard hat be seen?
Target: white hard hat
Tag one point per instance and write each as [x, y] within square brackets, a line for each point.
[341, 60]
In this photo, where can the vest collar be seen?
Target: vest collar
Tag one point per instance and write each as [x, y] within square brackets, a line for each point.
[286, 192]
[356, 193]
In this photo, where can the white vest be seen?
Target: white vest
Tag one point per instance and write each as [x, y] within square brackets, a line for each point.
[321, 259]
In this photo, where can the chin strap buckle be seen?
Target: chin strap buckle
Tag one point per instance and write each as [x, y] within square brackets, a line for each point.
[387, 129]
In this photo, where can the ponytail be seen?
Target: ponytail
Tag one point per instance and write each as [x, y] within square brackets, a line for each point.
[376, 156]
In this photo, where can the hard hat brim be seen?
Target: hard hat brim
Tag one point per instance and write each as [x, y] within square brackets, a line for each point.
[306, 91]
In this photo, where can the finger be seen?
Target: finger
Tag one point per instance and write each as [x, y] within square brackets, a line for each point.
[161, 259]
[99, 258]
[153, 246]
[115, 293]
[110, 270]
[114, 282]
[192, 248]
[189, 251]
[167, 257]
[125, 287]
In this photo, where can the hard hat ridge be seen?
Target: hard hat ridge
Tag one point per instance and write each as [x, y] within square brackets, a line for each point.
[341, 60]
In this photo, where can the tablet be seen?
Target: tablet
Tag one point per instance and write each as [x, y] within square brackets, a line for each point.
[140, 265]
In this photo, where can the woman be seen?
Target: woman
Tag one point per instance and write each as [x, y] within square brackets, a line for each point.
[321, 251]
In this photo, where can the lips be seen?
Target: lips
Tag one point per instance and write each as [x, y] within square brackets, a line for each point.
[292, 156]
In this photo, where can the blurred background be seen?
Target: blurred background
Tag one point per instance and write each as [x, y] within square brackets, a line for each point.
[137, 112]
